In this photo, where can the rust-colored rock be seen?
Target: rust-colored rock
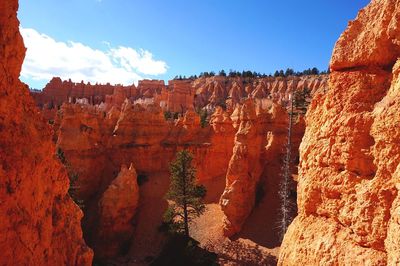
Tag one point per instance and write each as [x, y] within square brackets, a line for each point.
[117, 207]
[348, 194]
[39, 222]
[256, 164]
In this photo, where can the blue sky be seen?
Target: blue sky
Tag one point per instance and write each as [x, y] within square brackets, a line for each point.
[125, 40]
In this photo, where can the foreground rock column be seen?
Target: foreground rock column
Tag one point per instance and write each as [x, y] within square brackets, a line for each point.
[117, 209]
[348, 192]
[39, 223]
[244, 171]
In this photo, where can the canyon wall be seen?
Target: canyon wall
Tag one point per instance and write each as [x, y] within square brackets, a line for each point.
[178, 95]
[39, 222]
[348, 191]
[96, 143]
[100, 128]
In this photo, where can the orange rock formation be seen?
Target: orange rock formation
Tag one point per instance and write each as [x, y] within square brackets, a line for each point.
[348, 193]
[117, 208]
[179, 95]
[39, 222]
[244, 170]
[96, 143]
[256, 163]
[213, 91]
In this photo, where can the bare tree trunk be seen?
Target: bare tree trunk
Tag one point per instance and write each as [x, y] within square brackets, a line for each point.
[285, 185]
[186, 220]
[185, 212]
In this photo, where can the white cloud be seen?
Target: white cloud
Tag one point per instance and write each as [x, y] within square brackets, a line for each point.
[46, 58]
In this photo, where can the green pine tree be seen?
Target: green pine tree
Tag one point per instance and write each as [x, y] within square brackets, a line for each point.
[203, 118]
[301, 101]
[185, 194]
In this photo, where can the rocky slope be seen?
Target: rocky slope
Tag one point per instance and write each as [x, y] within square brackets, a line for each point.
[39, 223]
[348, 193]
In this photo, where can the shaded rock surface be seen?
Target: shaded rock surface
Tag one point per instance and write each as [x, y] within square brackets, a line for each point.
[117, 206]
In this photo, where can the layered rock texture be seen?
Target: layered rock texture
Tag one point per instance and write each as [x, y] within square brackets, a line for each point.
[348, 192]
[246, 145]
[39, 222]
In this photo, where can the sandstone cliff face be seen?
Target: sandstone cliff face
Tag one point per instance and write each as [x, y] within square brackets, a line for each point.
[217, 160]
[117, 208]
[348, 186]
[39, 223]
[82, 137]
[57, 92]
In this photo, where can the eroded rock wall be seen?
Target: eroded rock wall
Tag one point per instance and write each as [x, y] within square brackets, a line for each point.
[179, 95]
[97, 143]
[39, 222]
[348, 184]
